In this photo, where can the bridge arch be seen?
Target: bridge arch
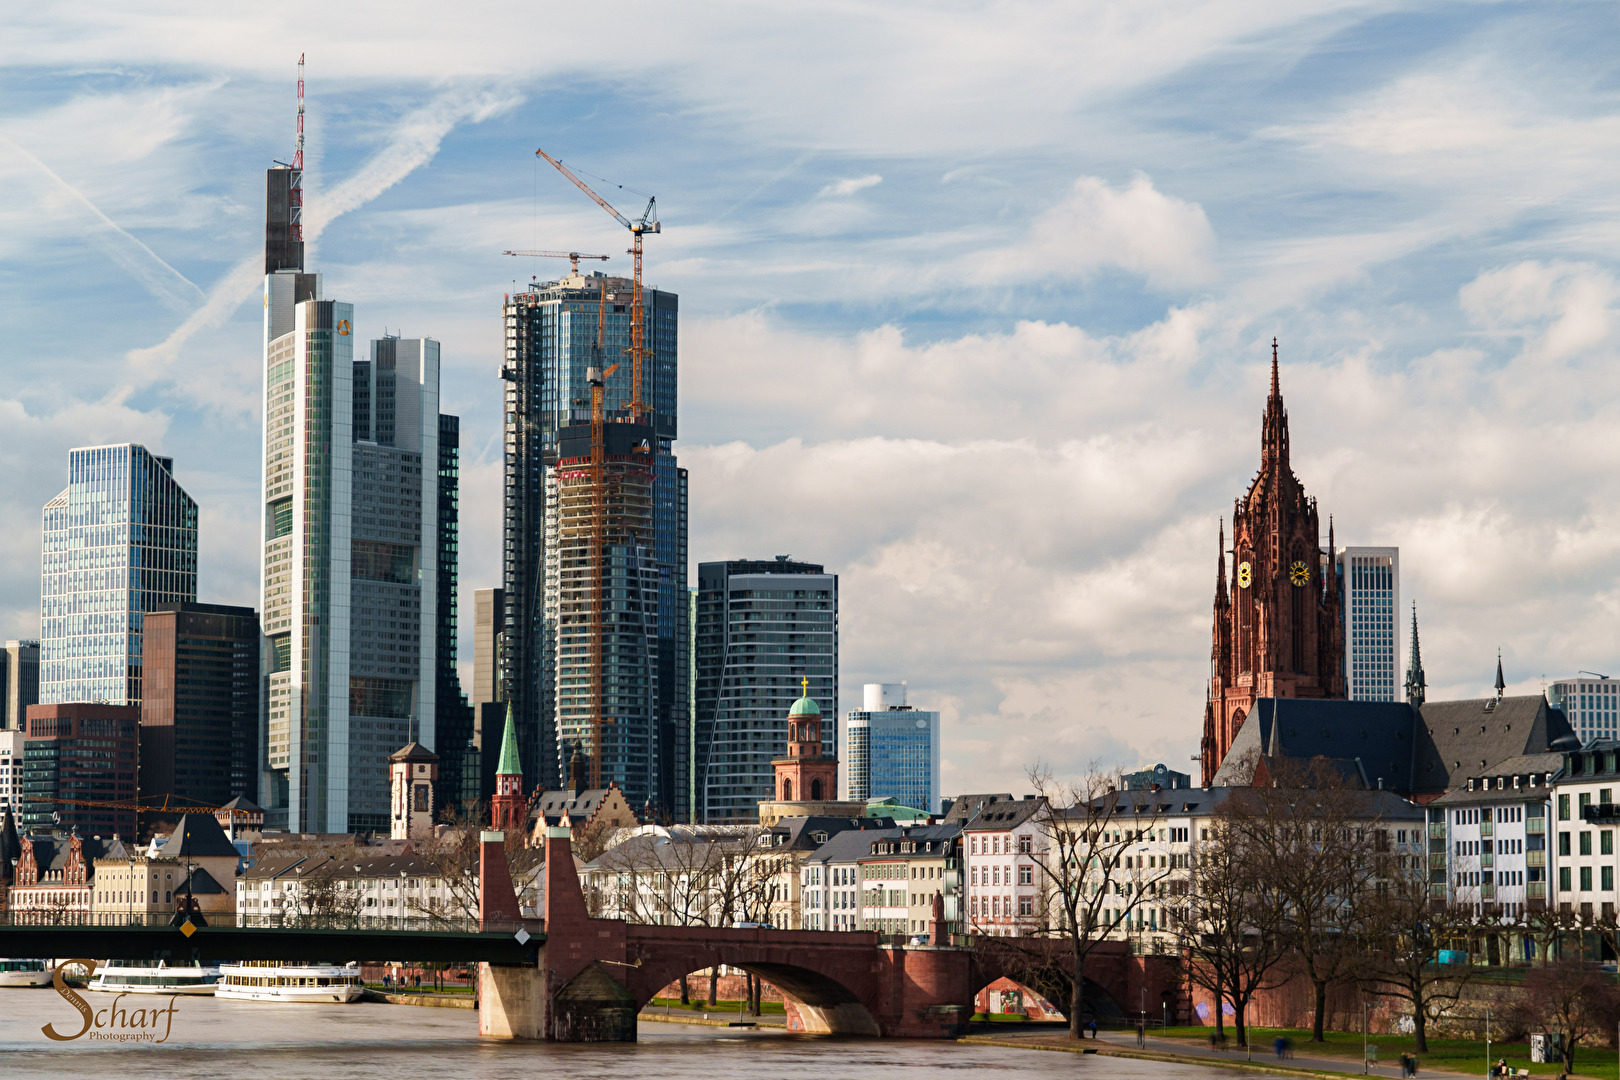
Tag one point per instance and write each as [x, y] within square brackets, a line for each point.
[827, 1002]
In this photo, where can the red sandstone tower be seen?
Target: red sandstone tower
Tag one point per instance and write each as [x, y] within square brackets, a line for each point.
[1279, 633]
[508, 808]
[804, 775]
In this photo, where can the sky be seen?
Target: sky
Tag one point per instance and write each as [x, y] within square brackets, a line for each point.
[976, 301]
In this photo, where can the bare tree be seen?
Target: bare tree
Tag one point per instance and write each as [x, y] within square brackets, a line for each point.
[1090, 827]
[1403, 930]
[1230, 919]
[1313, 835]
[1571, 999]
[453, 857]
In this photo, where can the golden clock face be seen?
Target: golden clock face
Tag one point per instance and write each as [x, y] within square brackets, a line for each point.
[1299, 573]
[1245, 575]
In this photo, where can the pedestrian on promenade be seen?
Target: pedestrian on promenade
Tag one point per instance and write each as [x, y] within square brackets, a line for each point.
[1141, 1034]
[1279, 1044]
[1094, 1027]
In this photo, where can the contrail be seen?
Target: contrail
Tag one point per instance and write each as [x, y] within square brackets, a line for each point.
[416, 141]
[170, 286]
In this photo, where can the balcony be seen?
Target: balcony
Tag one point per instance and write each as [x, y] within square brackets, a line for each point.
[1487, 859]
[1437, 862]
[1535, 825]
[1536, 890]
[1487, 889]
[1487, 827]
[1535, 858]
[1437, 830]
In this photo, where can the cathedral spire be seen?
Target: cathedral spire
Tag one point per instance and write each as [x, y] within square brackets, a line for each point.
[1274, 428]
[1220, 567]
[1416, 687]
[1501, 684]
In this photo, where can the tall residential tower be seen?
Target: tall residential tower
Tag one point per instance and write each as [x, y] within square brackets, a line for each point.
[1371, 580]
[763, 627]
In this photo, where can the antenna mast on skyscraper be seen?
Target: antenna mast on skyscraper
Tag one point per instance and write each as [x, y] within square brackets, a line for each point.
[295, 225]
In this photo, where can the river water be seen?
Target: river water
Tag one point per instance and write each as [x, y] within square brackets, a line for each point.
[244, 1040]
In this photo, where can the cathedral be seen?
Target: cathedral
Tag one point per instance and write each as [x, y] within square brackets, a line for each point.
[1278, 632]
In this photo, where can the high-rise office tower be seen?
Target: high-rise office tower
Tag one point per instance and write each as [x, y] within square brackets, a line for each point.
[1371, 578]
[19, 682]
[454, 726]
[79, 768]
[763, 625]
[488, 699]
[200, 709]
[354, 539]
[892, 750]
[1592, 703]
[119, 541]
[551, 342]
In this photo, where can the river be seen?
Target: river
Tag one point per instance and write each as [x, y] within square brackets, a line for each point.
[244, 1040]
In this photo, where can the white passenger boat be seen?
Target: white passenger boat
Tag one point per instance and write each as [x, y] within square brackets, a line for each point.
[152, 977]
[268, 981]
[24, 972]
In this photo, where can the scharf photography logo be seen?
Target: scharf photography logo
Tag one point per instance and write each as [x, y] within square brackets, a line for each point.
[115, 1023]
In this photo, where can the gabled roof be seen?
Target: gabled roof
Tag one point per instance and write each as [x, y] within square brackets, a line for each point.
[799, 833]
[201, 883]
[413, 751]
[855, 845]
[242, 802]
[1423, 751]
[1003, 814]
[963, 807]
[198, 836]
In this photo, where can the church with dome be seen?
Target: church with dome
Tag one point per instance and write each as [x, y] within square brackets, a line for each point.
[806, 779]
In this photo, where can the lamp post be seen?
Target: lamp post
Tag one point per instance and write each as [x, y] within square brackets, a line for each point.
[1487, 1042]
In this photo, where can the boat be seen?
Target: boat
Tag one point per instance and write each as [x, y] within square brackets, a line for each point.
[153, 977]
[263, 980]
[23, 972]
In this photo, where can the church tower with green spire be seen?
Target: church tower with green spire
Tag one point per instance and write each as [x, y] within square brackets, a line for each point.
[506, 808]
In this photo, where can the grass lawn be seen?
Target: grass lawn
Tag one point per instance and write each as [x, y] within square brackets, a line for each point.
[1000, 1018]
[699, 1005]
[1453, 1055]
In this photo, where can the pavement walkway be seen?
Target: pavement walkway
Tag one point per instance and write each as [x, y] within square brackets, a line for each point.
[1123, 1044]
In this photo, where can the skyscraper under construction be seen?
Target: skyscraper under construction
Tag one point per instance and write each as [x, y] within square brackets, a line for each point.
[595, 600]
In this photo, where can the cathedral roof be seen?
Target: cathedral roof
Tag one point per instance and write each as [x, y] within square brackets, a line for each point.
[805, 706]
[509, 763]
[1413, 751]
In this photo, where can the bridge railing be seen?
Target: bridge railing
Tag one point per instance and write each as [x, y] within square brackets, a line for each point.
[160, 919]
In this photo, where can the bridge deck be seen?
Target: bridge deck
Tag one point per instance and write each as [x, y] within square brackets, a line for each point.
[227, 943]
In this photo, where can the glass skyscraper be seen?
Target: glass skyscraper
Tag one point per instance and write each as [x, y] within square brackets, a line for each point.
[551, 334]
[891, 751]
[1592, 703]
[120, 540]
[763, 625]
[1371, 578]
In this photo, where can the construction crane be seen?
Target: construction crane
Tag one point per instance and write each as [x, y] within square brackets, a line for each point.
[573, 257]
[597, 378]
[647, 223]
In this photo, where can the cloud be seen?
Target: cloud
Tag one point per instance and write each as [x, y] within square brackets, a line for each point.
[172, 288]
[1168, 241]
[1558, 309]
[845, 188]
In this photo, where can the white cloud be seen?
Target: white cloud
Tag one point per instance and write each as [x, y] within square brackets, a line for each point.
[1168, 241]
[844, 188]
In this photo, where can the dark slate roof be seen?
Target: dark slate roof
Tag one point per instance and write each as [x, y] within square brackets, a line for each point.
[963, 807]
[1459, 739]
[339, 865]
[242, 802]
[856, 845]
[413, 751]
[199, 836]
[551, 805]
[1418, 752]
[51, 850]
[201, 883]
[799, 833]
[1003, 814]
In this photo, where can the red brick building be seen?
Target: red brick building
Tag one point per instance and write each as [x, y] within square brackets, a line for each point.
[1279, 632]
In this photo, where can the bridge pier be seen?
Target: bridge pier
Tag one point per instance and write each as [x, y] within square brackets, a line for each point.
[511, 1001]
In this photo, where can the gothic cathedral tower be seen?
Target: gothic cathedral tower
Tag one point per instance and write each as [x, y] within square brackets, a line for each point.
[1278, 632]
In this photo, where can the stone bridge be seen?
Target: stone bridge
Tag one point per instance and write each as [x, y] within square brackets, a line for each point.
[593, 976]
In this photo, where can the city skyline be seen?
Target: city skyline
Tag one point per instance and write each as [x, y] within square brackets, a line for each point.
[1038, 369]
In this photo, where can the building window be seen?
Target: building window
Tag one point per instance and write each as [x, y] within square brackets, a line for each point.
[1026, 905]
[1563, 843]
[1586, 842]
[1023, 845]
[1606, 875]
[1606, 842]
[1586, 879]
[1563, 879]
[1563, 808]
[1026, 874]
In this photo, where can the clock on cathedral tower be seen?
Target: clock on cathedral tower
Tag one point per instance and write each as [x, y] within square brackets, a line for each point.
[1278, 633]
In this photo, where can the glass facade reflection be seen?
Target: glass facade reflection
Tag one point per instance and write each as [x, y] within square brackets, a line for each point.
[120, 540]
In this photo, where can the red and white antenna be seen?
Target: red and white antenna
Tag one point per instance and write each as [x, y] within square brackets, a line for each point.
[295, 225]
